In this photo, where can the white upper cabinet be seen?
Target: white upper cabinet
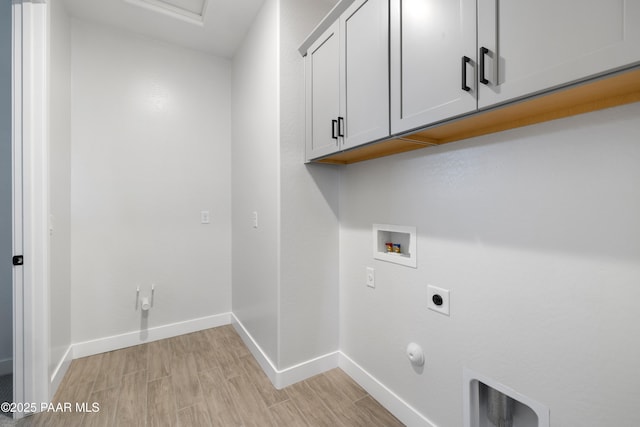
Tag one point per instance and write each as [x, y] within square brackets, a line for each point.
[444, 65]
[434, 71]
[532, 46]
[430, 78]
[364, 84]
[347, 81]
[322, 69]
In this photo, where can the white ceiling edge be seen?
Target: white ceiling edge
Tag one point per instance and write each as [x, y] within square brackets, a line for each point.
[223, 27]
[165, 8]
[196, 7]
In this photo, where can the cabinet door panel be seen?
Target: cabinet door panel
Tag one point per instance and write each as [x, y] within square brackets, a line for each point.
[365, 80]
[537, 45]
[322, 91]
[429, 39]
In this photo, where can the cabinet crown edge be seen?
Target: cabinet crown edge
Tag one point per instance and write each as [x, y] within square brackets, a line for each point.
[326, 22]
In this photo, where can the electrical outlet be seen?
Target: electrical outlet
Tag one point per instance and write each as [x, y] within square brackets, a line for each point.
[205, 218]
[254, 219]
[371, 277]
[438, 299]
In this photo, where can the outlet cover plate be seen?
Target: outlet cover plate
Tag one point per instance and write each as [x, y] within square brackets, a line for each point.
[434, 291]
[371, 277]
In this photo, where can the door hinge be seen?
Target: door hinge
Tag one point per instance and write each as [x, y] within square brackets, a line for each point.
[18, 260]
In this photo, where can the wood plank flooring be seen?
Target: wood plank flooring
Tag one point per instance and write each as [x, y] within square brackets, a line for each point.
[206, 378]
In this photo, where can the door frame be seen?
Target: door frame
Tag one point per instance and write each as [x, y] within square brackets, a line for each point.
[30, 147]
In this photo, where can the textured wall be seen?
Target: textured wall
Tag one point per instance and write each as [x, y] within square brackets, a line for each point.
[255, 180]
[535, 232]
[150, 150]
[60, 183]
[309, 208]
[287, 299]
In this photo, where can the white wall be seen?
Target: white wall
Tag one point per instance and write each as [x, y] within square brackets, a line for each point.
[285, 277]
[6, 293]
[150, 151]
[309, 208]
[255, 180]
[535, 232]
[60, 183]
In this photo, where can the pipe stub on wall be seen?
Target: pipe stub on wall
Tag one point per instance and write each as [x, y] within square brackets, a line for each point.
[415, 354]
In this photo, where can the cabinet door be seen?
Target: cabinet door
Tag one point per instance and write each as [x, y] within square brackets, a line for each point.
[537, 45]
[364, 86]
[429, 40]
[322, 75]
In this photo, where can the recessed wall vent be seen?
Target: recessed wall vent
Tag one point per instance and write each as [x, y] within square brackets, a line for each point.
[487, 403]
[186, 10]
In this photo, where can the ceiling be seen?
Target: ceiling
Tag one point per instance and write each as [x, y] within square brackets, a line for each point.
[223, 25]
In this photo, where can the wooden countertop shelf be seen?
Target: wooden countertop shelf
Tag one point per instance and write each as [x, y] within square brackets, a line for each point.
[604, 92]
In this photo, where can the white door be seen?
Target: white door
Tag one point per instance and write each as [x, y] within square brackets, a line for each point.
[18, 273]
[536, 45]
[30, 201]
[430, 41]
[17, 205]
[364, 83]
[322, 74]
[6, 204]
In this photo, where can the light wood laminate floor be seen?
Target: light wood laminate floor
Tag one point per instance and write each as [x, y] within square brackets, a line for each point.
[206, 378]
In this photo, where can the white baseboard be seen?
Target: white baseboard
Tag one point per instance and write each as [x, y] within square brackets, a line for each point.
[283, 378]
[89, 348]
[279, 378]
[60, 371]
[307, 369]
[387, 398]
[6, 366]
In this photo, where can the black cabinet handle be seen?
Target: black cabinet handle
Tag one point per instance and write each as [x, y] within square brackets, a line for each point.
[483, 53]
[465, 61]
[341, 126]
[334, 123]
